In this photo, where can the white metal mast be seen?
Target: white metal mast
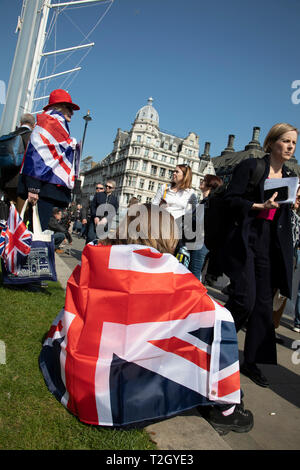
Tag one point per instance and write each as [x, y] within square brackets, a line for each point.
[19, 73]
[28, 54]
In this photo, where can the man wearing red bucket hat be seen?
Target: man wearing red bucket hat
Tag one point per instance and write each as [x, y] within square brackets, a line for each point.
[48, 170]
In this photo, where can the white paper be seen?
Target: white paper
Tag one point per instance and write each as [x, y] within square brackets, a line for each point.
[291, 183]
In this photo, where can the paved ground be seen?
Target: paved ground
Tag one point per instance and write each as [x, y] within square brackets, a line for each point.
[276, 409]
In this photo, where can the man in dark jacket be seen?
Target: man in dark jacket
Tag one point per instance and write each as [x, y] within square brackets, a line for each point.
[103, 208]
[59, 229]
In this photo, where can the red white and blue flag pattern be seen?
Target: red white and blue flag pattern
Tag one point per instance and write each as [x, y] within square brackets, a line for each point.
[138, 339]
[3, 228]
[17, 242]
[51, 155]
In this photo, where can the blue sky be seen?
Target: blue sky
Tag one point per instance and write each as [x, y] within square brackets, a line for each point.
[215, 68]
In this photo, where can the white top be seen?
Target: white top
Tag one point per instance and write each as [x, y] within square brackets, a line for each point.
[178, 202]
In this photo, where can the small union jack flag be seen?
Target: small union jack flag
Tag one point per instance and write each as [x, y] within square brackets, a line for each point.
[2, 237]
[17, 242]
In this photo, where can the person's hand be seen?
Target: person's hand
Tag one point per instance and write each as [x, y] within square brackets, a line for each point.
[84, 221]
[32, 198]
[96, 220]
[103, 221]
[270, 203]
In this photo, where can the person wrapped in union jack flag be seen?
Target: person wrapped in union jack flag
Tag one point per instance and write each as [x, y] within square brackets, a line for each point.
[47, 174]
[139, 339]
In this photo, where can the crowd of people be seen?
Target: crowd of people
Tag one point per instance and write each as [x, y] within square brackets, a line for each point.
[258, 253]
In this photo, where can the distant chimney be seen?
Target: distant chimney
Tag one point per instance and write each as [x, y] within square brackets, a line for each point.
[229, 147]
[254, 143]
[205, 154]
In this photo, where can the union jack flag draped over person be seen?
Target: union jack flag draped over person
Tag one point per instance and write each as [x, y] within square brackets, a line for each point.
[17, 242]
[50, 154]
[138, 339]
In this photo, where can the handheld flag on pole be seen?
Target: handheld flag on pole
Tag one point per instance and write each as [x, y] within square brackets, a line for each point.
[17, 243]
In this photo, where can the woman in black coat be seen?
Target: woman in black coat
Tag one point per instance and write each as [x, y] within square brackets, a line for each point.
[258, 254]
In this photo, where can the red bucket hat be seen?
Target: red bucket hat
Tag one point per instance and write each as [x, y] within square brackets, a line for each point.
[60, 97]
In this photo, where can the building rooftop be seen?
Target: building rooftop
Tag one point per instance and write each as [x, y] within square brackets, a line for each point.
[148, 112]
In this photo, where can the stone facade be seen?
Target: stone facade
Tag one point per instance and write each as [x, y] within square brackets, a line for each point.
[145, 157]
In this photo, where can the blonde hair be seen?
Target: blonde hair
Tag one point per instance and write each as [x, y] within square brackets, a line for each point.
[275, 132]
[187, 177]
[112, 182]
[155, 227]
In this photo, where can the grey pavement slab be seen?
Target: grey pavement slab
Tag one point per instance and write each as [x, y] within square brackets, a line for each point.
[187, 431]
[275, 409]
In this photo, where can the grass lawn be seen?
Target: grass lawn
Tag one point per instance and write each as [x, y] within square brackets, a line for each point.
[30, 417]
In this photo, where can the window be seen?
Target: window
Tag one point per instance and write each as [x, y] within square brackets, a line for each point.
[146, 152]
[163, 158]
[131, 181]
[144, 167]
[139, 197]
[134, 164]
[155, 156]
[142, 181]
[136, 150]
[138, 138]
[162, 172]
[153, 170]
[170, 173]
[148, 200]
[151, 186]
[166, 145]
[172, 161]
[148, 140]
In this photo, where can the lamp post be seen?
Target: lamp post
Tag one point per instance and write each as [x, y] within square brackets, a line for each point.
[87, 119]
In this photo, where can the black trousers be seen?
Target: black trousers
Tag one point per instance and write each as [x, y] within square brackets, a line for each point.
[252, 298]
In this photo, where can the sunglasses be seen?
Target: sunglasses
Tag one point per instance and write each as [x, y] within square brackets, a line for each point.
[99, 187]
[108, 186]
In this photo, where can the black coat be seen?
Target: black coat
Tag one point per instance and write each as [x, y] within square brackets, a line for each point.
[55, 192]
[56, 225]
[241, 217]
[103, 198]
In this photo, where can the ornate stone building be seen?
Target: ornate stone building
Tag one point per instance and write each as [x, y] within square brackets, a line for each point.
[145, 157]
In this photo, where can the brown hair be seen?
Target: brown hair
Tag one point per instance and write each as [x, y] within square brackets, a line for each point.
[187, 176]
[133, 200]
[275, 132]
[155, 227]
[212, 181]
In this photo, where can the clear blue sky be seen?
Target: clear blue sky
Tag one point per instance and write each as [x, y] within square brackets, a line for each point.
[215, 68]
